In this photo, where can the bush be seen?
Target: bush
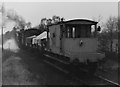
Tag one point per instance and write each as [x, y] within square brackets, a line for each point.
[104, 43]
[6, 54]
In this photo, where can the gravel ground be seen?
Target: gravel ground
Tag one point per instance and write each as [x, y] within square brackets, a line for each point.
[110, 71]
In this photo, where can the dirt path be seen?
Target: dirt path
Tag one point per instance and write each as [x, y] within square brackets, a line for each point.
[15, 73]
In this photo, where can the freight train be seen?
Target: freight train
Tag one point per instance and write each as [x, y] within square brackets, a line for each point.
[75, 41]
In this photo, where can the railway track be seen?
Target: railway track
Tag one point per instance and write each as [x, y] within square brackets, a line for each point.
[82, 76]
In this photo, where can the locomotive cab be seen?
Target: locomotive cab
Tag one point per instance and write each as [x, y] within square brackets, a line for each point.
[80, 40]
[76, 39]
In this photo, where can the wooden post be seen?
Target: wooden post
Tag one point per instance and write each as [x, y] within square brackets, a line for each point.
[61, 36]
[48, 38]
[95, 33]
[111, 41]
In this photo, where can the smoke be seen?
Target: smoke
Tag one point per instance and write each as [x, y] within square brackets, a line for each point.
[11, 45]
[13, 16]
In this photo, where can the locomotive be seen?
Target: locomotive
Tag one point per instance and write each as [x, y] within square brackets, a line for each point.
[75, 40]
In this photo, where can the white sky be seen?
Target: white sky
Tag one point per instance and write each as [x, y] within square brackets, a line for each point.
[34, 11]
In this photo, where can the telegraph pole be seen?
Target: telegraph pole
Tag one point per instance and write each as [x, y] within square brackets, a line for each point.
[2, 26]
[2, 37]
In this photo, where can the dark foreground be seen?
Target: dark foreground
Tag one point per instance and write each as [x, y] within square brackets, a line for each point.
[29, 68]
[23, 68]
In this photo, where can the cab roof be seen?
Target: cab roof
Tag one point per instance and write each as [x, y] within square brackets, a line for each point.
[81, 21]
[77, 21]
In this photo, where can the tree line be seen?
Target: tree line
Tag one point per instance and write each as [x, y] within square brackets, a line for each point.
[48, 21]
[109, 35]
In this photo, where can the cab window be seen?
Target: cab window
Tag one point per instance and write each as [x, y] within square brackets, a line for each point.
[77, 31]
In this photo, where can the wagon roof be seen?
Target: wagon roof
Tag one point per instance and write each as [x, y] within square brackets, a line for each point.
[32, 36]
[77, 21]
[31, 32]
[42, 35]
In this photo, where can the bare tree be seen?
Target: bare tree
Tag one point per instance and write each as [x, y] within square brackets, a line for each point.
[110, 31]
[49, 21]
[56, 19]
[43, 24]
[112, 24]
[111, 27]
[98, 19]
[44, 21]
[28, 25]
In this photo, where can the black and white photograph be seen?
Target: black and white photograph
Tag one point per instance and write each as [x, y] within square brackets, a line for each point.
[65, 43]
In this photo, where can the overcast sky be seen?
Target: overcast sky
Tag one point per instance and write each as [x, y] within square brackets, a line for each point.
[34, 11]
